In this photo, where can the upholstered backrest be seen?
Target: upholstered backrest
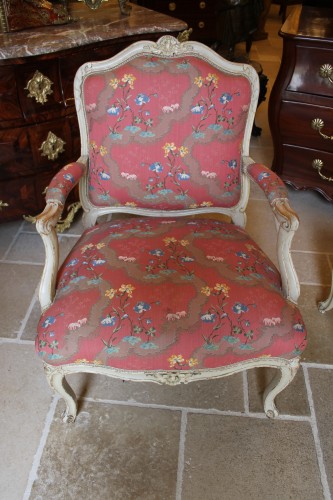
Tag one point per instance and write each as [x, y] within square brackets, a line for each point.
[166, 129]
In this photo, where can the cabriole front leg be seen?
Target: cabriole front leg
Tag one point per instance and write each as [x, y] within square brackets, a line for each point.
[285, 374]
[57, 381]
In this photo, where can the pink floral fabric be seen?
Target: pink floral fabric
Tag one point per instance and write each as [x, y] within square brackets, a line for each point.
[164, 294]
[165, 134]
[268, 181]
[64, 181]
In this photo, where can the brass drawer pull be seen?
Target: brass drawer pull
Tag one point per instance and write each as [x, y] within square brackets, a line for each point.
[172, 6]
[201, 24]
[52, 146]
[202, 5]
[2, 205]
[318, 124]
[318, 165]
[326, 71]
[39, 87]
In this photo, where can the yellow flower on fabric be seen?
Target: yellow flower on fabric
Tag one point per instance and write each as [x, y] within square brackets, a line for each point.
[169, 239]
[206, 204]
[183, 151]
[206, 290]
[176, 359]
[193, 205]
[103, 150]
[184, 243]
[168, 147]
[86, 247]
[198, 80]
[222, 287]
[127, 289]
[130, 79]
[130, 204]
[212, 78]
[79, 361]
[110, 293]
[100, 245]
[192, 362]
[93, 145]
[114, 82]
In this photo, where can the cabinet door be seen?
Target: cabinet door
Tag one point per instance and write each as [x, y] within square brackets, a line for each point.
[10, 110]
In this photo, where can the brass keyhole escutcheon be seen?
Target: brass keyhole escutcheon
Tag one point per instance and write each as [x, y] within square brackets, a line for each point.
[52, 146]
[39, 87]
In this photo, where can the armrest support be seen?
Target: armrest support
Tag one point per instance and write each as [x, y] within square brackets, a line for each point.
[46, 222]
[287, 224]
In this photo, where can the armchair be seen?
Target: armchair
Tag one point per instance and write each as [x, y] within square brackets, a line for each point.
[171, 289]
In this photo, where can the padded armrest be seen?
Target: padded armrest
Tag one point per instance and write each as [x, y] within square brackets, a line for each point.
[64, 181]
[287, 221]
[56, 194]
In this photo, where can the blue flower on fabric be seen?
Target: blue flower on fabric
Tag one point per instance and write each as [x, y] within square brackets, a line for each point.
[141, 99]
[208, 317]
[48, 321]
[69, 177]
[183, 176]
[98, 262]
[232, 164]
[263, 175]
[239, 308]
[72, 263]
[109, 320]
[114, 110]
[157, 251]
[104, 176]
[197, 110]
[140, 307]
[225, 98]
[299, 327]
[148, 345]
[243, 255]
[131, 340]
[156, 167]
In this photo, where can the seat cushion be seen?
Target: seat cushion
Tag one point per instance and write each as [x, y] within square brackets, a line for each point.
[162, 294]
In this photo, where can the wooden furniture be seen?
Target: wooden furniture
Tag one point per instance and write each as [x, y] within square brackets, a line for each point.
[301, 102]
[38, 126]
[170, 293]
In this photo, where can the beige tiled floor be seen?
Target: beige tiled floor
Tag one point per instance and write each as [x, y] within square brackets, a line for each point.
[145, 442]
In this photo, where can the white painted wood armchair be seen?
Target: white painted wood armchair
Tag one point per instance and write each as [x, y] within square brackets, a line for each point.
[168, 293]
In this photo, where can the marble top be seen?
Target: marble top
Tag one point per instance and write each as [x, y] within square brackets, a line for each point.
[86, 27]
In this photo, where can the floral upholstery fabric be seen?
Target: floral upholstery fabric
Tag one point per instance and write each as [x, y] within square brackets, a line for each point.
[148, 294]
[268, 181]
[165, 134]
[64, 181]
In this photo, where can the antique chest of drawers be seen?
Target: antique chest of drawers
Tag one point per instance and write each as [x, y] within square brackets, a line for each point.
[301, 102]
[38, 126]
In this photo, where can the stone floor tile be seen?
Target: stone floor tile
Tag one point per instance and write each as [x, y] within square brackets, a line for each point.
[291, 401]
[18, 284]
[261, 227]
[319, 326]
[249, 459]
[29, 332]
[24, 401]
[111, 452]
[28, 247]
[321, 382]
[221, 394]
[312, 267]
[7, 233]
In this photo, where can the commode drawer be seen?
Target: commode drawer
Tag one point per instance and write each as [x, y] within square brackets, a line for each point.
[313, 71]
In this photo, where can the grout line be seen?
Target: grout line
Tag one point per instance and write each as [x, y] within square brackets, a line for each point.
[202, 411]
[321, 366]
[315, 432]
[38, 455]
[246, 392]
[13, 242]
[4, 340]
[181, 456]
[27, 315]
[21, 262]
[311, 283]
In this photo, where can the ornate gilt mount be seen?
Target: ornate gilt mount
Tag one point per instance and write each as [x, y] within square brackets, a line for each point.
[326, 71]
[318, 165]
[318, 124]
[52, 146]
[125, 8]
[39, 87]
[2, 205]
